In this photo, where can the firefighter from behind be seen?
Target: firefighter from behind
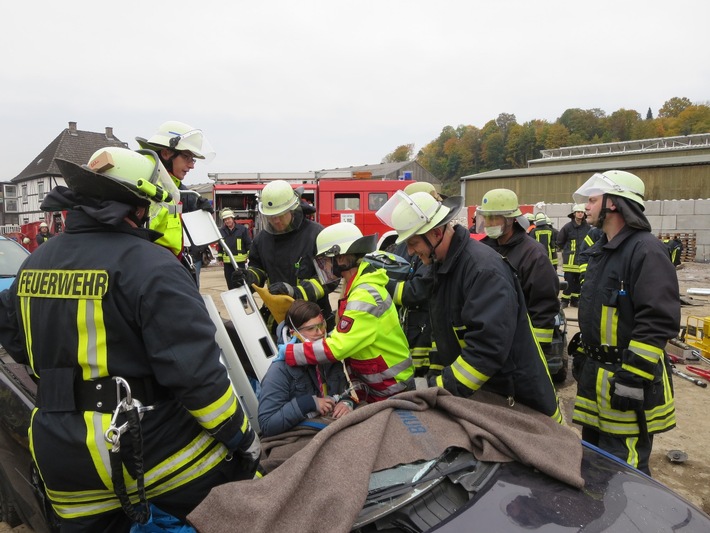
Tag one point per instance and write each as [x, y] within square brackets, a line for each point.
[484, 339]
[500, 217]
[236, 237]
[570, 240]
[139, 412]
[368, 335]
[282, 252]
[629, 308]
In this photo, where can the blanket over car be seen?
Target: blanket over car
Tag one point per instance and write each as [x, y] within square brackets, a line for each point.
[323, 486]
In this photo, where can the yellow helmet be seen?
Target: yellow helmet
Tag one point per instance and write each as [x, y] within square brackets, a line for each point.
[277, 198]
[614, 182]
[500, 202]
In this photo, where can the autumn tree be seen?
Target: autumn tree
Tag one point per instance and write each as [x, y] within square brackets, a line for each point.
[401, 154]
[673, 107]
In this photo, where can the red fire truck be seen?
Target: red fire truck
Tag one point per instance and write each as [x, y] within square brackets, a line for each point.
[337, 196]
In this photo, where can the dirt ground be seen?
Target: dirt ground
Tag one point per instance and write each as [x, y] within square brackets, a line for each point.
[692, 434]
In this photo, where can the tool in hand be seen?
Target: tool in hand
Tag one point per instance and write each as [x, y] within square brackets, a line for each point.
[698, 382]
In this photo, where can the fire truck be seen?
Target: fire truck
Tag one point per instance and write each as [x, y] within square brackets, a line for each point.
[336, 196]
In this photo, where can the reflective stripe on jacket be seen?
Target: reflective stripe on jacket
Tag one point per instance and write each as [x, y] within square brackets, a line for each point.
[483, 335]
[237, 240]
[629, 301]
[368, 336]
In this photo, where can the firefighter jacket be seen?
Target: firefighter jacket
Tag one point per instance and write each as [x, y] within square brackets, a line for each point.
[537, 278]
[41, 238]
[238, 241]
[569, 240]
[412, 297]
[547, 236]
[582, 259]
[483, 336]
[288, 257]
[113, 298]
[629, 308]
[368, 336]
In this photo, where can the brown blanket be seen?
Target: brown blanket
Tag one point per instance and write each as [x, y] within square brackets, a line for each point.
[324, 485]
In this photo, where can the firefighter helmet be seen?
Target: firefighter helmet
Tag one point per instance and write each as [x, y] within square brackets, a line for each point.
[277, 198]
[540, 218]
[227, 213]
[614, 182]
[120, 174]
[502, 202]
[43, 225]
[422, 186]
[344, 238]
[180, 137]
[418, 213]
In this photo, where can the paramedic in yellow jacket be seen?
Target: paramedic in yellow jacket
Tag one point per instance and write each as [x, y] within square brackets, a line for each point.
[368, 335]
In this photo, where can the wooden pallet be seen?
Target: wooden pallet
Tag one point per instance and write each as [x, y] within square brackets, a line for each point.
[688, 242]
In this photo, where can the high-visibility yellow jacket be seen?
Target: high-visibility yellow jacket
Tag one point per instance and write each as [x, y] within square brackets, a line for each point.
[368, 337]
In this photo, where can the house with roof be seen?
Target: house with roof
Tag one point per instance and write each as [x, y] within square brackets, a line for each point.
[23, 195]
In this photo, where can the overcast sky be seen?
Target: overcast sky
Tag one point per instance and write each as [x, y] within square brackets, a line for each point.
[298, 85]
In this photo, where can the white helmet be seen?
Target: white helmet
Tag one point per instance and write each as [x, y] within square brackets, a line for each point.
[227, 213]
[180, 137]
[43, 225]
[344, 238]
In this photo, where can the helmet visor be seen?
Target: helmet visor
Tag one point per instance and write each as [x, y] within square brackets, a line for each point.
[600, 184]
[324, 269]
[282, 223]
[194, 142]
[406, 217]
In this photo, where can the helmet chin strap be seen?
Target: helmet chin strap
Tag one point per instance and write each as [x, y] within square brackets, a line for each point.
[603, 211]
[432, 248]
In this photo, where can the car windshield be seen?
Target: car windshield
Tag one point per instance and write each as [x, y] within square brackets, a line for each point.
[11, 257]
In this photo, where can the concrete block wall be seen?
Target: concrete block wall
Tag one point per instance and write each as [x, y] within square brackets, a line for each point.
[665, 216]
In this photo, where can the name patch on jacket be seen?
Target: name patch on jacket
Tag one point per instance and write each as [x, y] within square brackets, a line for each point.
[345, 323]
[72, 284]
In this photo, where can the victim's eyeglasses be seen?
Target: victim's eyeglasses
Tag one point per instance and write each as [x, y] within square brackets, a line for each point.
[310, 329]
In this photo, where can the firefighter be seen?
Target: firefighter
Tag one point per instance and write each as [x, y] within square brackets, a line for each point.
[569, 240]
[629, 308]
[368, 335]
[114, 297]
[500, 217]
[236, 237]
[179, 145]
[545, 234]
[412, 295]
[43, 234]
[480, 325]
[282, 252]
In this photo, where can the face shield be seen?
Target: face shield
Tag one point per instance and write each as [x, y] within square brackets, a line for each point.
[327, 269]
[597, 185]
[285, 222]
[495, 225]
[409, 217]
[192, 141]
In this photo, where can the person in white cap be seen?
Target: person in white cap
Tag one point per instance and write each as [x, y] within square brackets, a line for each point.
[236, 237]
[43, 234]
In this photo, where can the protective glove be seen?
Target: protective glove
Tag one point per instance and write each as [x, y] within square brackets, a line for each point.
[240, 276]
[204, 205]
[250, 452]
[626, 391]
[281, 355]
[284, 288]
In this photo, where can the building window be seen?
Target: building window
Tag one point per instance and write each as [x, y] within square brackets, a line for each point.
[40, 190]
[24, 194]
